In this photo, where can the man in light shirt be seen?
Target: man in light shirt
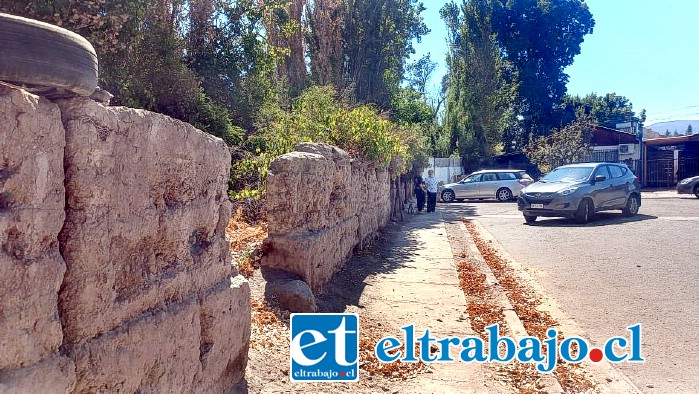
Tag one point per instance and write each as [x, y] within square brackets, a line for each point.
[431, 185]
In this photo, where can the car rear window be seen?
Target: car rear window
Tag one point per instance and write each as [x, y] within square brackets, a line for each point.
[506, 176]
[615, 171]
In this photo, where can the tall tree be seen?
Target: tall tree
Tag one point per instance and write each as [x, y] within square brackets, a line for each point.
[285, 32]
[378, 38]
[540, 38]
[419, 73]
[235, 61]
[326, 21]
[478, 104]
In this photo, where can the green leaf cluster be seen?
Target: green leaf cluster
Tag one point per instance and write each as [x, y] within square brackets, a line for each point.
[318, 116]
[481, 85]
[608, 110]
[569, 144]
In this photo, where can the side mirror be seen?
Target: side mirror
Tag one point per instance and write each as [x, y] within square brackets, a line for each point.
[600, 178]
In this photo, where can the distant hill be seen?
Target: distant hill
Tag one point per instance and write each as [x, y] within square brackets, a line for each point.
[679, 125]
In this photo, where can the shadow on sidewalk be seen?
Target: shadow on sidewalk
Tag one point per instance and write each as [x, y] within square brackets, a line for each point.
[391, 250]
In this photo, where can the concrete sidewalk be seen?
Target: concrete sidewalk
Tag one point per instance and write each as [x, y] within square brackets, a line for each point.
[663, 193]
[421, 287]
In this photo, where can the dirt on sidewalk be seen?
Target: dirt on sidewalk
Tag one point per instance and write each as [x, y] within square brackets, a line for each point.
[408, 276]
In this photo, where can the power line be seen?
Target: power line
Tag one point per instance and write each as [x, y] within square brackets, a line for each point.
[672, 118]
[677, 109]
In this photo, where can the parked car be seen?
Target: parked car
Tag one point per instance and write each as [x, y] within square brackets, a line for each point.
[579, 190]
[689, 186]
[503, 185]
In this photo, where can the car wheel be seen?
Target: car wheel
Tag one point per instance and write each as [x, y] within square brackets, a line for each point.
[503, 194]
[46, 59]
[530, 219]
[696, 191]
[585, 211]
[632, 206]
[448, 196]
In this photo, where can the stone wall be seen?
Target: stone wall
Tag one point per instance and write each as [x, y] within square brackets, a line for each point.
[320, 206]
[115, 273]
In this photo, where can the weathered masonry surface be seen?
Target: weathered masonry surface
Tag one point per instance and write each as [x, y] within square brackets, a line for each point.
[115, 273]
[320, 205]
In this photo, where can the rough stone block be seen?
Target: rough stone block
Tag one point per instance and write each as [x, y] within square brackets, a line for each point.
[368, 223]
[299, 202]
[157, 352]
[293, 295]
[146, 213]
[53, 375]
[31, 216]
[314, 257]
[320, 205]
[225, 336]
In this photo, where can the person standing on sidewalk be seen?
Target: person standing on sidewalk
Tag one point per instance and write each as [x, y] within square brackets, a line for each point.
[431, 185]
[419, 189]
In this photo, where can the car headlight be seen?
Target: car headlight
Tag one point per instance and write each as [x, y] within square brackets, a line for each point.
[568, 191]
[684, 181]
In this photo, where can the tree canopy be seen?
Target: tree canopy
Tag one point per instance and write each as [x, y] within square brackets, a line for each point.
[608, 110]
[250, 71]
[540, 38]
[478, 86]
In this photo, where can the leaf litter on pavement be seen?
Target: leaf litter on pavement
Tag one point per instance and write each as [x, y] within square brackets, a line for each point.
[524, 300]
[270, 324]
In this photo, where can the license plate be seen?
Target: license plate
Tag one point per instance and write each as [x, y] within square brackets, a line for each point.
[538, 206]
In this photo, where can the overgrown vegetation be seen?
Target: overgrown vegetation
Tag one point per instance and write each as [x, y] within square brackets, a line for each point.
[238, 70]
[265, 75]
[317, 116]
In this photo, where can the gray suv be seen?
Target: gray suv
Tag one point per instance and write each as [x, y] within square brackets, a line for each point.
[503, 185]
[579, 190]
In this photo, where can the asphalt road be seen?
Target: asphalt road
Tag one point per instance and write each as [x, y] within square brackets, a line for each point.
[615, 272]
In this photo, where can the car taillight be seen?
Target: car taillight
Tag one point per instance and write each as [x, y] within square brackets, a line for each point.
[523, 182]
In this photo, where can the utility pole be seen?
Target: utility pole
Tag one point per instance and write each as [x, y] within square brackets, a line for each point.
[642, 155]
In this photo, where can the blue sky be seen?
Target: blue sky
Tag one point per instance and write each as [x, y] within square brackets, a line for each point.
[645, 50]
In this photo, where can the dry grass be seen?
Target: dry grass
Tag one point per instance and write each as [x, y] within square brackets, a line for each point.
[242, 233]
[471, 280]
[483, 314]
[244, 238]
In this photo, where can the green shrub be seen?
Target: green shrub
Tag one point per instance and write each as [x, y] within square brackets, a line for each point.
[215, 120]
[317, 116]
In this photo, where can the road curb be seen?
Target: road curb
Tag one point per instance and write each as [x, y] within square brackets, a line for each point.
[517, 330]
[613, 380]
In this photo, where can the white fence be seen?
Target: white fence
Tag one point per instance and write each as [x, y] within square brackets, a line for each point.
[446, 170]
